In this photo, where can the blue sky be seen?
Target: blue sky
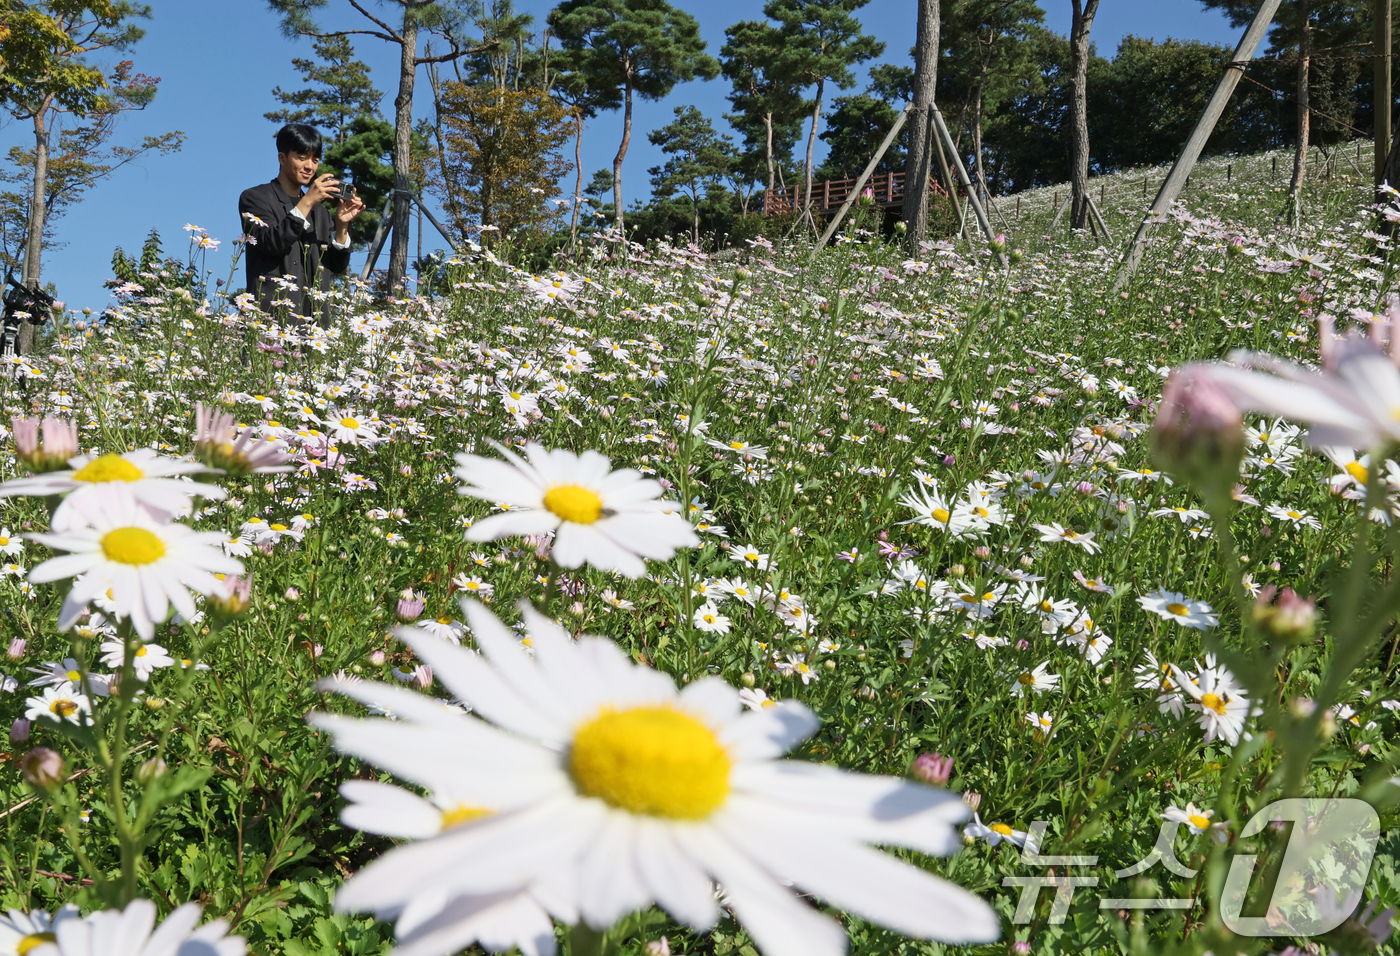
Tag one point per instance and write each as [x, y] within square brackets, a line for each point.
[219, 60]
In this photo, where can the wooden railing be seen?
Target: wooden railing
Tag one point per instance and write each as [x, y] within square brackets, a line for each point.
[886, 189]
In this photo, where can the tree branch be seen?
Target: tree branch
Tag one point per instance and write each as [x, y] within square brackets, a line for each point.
[375, 20]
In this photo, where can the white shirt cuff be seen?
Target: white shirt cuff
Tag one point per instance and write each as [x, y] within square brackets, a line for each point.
[305, 223]
[340, 245]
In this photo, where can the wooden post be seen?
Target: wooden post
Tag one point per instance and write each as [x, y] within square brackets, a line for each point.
[1144, 187]
[1381, 20]
[1103, 191]
[1018, 208]
[826, 195]
[967, 182]
[1197, 140]
[1098, 219]
[860, 184]
[1273, 172]
[1229, 172]
[889, 188]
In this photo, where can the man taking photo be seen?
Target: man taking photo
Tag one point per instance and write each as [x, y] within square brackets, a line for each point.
[295, 244]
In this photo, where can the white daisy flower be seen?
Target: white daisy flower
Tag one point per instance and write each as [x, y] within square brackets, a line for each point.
[1222, 706]
[1054, 531]
[11, 546]
[997, 832]
[1172, 606]
[708, 618]
[609, 519]
[119, 547]
[604, 789]
[21, 932]
[59, 703]
[1293, 516]
[350, 427]
[133, 932]
[145, 659]
[151, 479]
[1028, 682]
[1197, 821]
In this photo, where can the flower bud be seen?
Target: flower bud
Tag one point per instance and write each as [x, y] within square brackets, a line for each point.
[232, 599]
[42, 768]
[19, 731]
[60, 443]
[410, 607]
[1198, 432]
[149, 770]
[931, 768]
[973, 800]
[747, 679]
[377, 658]
[17, 648]
[1283, 614]
[291, 594]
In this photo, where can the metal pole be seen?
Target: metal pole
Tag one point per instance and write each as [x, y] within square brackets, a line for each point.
[832, 226]
[1197, 141]
[1098, 218]
[967, 181]
[1381, 19]
[378, 244]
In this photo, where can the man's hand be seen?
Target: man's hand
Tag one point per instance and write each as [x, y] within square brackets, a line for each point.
[321, 188]
[348, 208]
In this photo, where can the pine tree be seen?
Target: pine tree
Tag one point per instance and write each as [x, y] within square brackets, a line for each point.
[697, 159]
[824, 38]
[339, 90]
[642, 47]
[767, 99]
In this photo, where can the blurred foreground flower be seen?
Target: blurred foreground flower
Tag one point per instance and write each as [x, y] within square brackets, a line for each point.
[1353, 402]
[597, 789]
[60, 443]
[133, 932]
[150, 478]
[1198, 434]
[20, 932]
[609, 519]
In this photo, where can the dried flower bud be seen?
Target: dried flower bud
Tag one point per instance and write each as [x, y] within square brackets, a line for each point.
[931, 768]
[42, 768]
[973, 800]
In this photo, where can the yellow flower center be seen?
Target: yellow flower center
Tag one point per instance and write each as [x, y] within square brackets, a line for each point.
[1358, 471]
[74, 676]
[1199, 822]
[109, 468]
[279, 527]
[62, 708]
[1213, 702]
[736, 445]
[651, 760]
[574, 503]
[1295, 515]
[1026, 679]
[1046, 606]
[349, 423]
[132, 546]
[141, 651]
[461, 814]
[32, 940]
[4, 541]
[1178, 609]
[940, 515]
[1001, 828]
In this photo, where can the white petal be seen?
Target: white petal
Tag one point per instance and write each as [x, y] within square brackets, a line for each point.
[388, 810]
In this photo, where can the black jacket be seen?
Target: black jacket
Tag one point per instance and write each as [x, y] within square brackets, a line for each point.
[282, 245]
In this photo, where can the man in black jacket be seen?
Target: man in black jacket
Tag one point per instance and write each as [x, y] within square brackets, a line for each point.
[294, 243]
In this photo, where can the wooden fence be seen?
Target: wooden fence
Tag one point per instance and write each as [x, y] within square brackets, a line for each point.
[885, 190]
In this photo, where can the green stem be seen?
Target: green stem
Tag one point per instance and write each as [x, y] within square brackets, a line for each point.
[585, 941]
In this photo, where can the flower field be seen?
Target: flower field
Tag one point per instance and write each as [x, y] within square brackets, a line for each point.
[298, 618]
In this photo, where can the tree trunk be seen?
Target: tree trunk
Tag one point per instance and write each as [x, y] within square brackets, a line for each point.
[977, 134]
[811, 143]
[920, 158]
[622, 154]
[33, 251]
[1080, 25]
[1300, 153]
[403, 144]
[768, 156]
[578, 182]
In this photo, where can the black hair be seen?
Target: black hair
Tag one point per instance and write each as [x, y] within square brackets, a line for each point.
[299, 138]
